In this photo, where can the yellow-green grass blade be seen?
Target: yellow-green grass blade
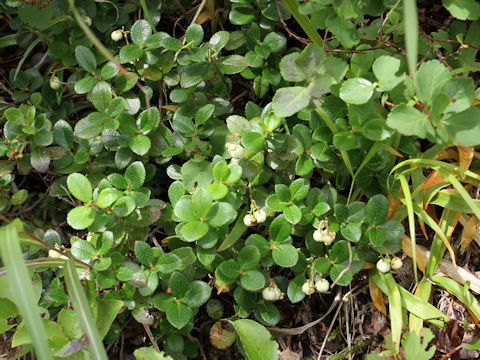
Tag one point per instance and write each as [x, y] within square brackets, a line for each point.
[461, 292]
[83, 312]
[42, 262]
[237, 231]
[410, 20]
[413, 304]
[20, 285]
[411, 221]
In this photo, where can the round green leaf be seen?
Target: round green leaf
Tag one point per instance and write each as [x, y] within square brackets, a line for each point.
[356, 91]
[107, 197]
[178, 314]
[85, 58]
[285, 255]
[322, 265]
[252, 280]
[140, 144]
[194, 230]
[140, 32]
[81, 217]
[197, 294]
[135, 175]
[80, 187]
[123, 206]
[292, 214]
[83, 250]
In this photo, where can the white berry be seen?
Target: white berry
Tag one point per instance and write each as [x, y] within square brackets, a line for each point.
[329, 237]
[116, 35]
[249, 220]
[87, 20]
[55, 83]
[238, 152]
[56, 255]
[322, 285]
[231, 146]
[308, 288]
[260, 216]
[317, 235]
[271, 293]
[396, 263]
[383, 265]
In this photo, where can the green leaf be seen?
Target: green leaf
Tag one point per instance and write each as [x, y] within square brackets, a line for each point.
[294, 291]
[90, 126]
[81, 217]
[184, 210]
[290, 100]
[409, 121]
[415, 346]
[140, 31]
[431, 76]
[194, 34]
[140, 144]
[280, 229]
[130, 52]
[107, 311]
[101, 96]
[289, 69]
[222, 213]
[292, 214]
[463, 9]
[256, 340]
[252, 280]
[232, 64]
[85, 58]
[204, 114]
[197, 294]
[460, 93]
[285, 255]
[345, 140]
[19, 197]
[135, 175]
[15, 116]
[107, 197]
[219, 40]
[83, 312]
[252, 141]
[356, 91]
[217, 190]
[351, 232]
[22, 290]
[80, 187]
[220, 170]
[123, 206]
[85, 85]
[461, 128]
[385, 67]
[63, 134]
[83, 250]
[201, 202]
[276, 41]
[376, 210]
[143, 253]
[322, 265]
[168, 263]
[194, 230]
[178, 314]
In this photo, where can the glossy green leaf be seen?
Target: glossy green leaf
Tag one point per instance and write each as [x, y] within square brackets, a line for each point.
[85, 58]
[81, 217]
[256, 340]
[80, 187]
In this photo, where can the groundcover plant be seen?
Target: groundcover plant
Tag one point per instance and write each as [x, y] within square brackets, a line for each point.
[239, 179]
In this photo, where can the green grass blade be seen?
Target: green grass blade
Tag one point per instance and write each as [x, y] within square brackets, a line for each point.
[411, 34]
[463, 193]
[304, 22]
[22, 290]
[411, 221]
[83, 312]
[8, 40]
[25, 55]
[42, 262]
[395, 308]
[237, 231]
[144, 6]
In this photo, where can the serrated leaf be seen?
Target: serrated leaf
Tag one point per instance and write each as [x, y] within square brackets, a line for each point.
[285, 255]
[140, 31]
[135, 175]
[356, 91]
[85, 58]
[178, 314]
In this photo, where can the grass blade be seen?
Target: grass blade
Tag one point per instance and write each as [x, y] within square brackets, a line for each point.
[25, 55]
[22, 290]
[304, 22]
[411, 221]
[237, 231]
[83, 312]
[410, 17]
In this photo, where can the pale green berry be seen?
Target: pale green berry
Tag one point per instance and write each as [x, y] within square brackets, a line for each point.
[322, 285]
[308, 287]
[260, 216]
[55, 83]
[396, 263]
[383, 265]
[87, 20]
[116, 35]
[271, 293]
[249, 220]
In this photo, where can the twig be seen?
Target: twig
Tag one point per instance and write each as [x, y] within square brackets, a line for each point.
[290, 33]
[150, 336]
[329, 331]
[300, 330]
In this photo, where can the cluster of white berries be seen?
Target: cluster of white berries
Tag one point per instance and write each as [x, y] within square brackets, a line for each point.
[235, 150]
[322, 234]
[384, 264]
[272, 293]
[321, 285]
[259, 216]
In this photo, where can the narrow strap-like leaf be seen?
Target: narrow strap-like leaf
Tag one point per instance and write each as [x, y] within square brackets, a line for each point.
[22, 290]
[83, 312]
